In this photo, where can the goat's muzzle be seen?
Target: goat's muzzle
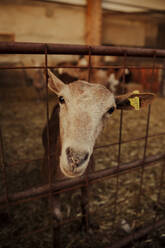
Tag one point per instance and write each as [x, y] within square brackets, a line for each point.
[76, 158]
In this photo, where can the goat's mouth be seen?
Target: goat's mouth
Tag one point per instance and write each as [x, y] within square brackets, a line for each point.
[71, 174]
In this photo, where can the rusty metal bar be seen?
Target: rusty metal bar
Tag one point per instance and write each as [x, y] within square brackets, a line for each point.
[120, 142]
[136, 235]
[96, 147]
[92, 178]
[39, 48]
[89, 64]
[47, 119]
[159, 192]
[161, 182]
[144, 155]
[48, 144]
[4, 172]
[86, 176]
[128, 141]
[147, 134]
[80, 67]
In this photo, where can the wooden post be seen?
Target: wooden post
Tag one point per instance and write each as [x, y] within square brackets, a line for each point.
[94, 25]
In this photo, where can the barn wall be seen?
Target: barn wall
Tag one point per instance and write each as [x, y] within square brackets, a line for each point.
[32, 21]
[43, 23]
[129, 31]
[35, 21]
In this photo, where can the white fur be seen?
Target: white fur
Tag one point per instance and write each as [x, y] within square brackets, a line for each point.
[81, 120]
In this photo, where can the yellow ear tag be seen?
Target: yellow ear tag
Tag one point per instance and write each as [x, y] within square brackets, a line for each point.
[134, 102]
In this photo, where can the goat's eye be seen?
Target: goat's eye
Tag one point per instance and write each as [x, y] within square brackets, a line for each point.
[111, 110]
[61, 99]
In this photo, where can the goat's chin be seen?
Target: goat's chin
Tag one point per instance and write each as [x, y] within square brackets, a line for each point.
[70, 174]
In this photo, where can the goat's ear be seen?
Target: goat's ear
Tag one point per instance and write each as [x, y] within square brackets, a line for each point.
[54, 83]
[134, 100]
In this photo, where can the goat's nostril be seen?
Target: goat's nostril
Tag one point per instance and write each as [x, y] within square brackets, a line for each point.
[76, 158]
[86, 156]
[68, 151]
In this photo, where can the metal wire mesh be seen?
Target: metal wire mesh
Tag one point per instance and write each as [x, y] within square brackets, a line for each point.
[50, 189]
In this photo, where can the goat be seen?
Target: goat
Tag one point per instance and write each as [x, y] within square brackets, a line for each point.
[111, 78]
[98, 76]
[119, 86]
[74, 125]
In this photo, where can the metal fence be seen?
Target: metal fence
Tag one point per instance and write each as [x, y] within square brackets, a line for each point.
[8, 199]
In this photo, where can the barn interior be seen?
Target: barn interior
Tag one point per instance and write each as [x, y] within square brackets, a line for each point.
[120, 205]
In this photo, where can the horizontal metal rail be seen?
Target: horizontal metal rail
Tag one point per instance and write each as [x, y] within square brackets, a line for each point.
[40, 48]
[129, 141]
[24, 161]
[80, 181]
[80, 67]
[138, 234]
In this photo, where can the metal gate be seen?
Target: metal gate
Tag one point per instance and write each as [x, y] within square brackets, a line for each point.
[8, 199]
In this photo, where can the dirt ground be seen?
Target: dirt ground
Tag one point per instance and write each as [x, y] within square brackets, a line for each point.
[22, 123]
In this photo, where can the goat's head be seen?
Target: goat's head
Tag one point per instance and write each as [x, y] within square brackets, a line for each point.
[83, 107]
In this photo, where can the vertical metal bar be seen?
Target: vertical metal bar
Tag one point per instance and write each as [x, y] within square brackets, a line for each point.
[160, 189]
[48, 139]
[163, 165]
[161, 183]
[5, 179]
[4, 172]
[47, 114]
[146, 136]
[86, 177]
[119, 145]
[89, 64]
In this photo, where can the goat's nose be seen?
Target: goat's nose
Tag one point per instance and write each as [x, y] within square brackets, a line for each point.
[76, 158]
